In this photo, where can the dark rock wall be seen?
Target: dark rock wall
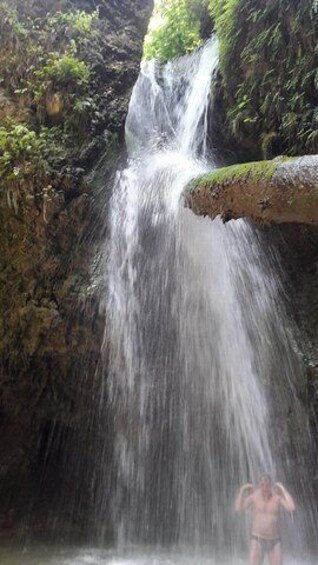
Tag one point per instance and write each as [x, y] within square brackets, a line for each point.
[51, 326]
[298, 248]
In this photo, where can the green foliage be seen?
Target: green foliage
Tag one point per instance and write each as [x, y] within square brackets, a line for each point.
[78, 22]
[224, 13]
[24, 151]
[268, 61]
[16, 141]
[78, 29]
[54, 48]
[19, 146]
[48, 58]
[26, 159]
[174, 29]
[63, 70]
[10, 23]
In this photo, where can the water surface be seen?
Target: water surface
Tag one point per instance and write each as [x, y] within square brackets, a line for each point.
[53, 555]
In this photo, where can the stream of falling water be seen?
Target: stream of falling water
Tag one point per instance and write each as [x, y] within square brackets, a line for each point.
[196, 331]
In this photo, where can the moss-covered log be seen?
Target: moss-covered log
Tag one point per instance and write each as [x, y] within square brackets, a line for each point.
[284, 190]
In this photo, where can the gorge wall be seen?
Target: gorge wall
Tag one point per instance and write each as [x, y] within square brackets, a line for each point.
[67, 69]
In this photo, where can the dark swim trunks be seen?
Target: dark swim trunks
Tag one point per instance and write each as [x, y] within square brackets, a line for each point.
[266, 545]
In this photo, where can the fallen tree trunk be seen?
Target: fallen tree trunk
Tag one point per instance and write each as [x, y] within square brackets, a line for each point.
[284, 190]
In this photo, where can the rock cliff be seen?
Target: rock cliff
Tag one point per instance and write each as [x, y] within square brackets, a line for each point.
[67, 70]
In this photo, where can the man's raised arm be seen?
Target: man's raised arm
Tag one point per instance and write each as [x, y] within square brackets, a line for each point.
[286, 499]
[244, 499]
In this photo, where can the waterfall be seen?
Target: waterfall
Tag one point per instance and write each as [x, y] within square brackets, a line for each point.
[195, 330]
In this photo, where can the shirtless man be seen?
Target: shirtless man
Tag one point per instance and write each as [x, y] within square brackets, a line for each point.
[265, 503]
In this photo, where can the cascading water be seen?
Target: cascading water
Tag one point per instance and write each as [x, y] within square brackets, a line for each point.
[194, 330]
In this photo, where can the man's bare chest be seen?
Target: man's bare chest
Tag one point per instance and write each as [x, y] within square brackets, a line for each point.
[262, 506]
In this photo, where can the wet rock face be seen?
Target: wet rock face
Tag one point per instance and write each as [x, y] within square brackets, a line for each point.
[51, 225]
[296, 247]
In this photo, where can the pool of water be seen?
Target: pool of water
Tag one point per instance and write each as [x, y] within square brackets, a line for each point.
[52, 555]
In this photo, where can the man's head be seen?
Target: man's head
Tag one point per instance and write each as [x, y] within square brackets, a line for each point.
[265, 484]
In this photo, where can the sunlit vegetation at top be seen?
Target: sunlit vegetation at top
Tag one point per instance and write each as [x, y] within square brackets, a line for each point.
[268, 54]
[175, 28]
[224, 13]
